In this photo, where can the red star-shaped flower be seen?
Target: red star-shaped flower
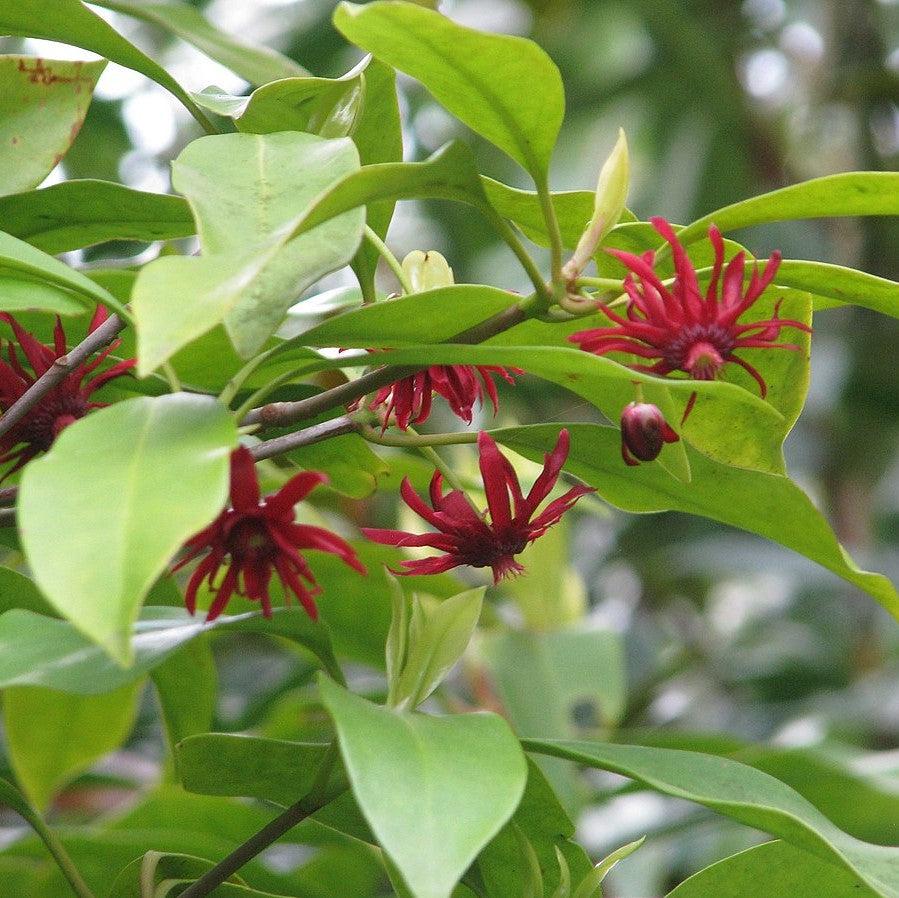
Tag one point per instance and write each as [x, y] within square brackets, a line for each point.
[409, 399]
[255, 537]
[466, 537]
[677, 328]
[68, 401]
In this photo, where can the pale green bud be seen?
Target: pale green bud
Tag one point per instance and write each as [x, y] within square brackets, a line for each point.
[611, 195]
[426, 271]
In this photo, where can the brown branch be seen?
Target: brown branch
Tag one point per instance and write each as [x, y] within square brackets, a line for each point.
[59, 370]
[315, 434]
[284, 413]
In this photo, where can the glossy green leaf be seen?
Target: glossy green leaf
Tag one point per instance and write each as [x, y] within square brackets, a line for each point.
[723, 409]
[43, 103]
[162, 478]
[21, 294]
[249, 767]
[834, 285]
[448, 174]
[253, 63]
[769, 505]
[245, 191]
[40, 651]
[741, 792]
[439, 633]
[774, 868]
[434, 790]
[446, 311]
[325, 106]
[52, 737]
[847, 193]
[505, 88]
[71, 22]
[19, 260]
[76, 214]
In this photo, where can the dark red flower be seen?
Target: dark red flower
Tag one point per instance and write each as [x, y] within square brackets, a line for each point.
[676, 328]
[255, 537]
[465, 536]
[409, 399]
[644, 431]
[68, 401]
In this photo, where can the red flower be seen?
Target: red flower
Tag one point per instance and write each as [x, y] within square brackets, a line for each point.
[682, 330]
[258, 537]
[409, 399]
[64, 404]
[464, 535]
[644, 431]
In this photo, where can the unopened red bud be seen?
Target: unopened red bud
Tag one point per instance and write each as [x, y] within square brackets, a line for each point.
[644, 431]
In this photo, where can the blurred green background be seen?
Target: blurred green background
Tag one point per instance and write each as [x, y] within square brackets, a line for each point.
[722, 632]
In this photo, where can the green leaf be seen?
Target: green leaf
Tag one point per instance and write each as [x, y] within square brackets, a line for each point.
[19, 591]
[448, 174]
[76, 214]
[730, 424]
[249, 767]
[434, 790]
[741, 792]
[20, 261]
[770, 505]
[158, 473]
[774, 868]
[548, 829]
[504, 88]
[400, 321]
[439, 633]
[71, 22]
[322, 106]
[52, 653]
[378, 135]
[352, 467]
[847, 193]
[573, 211]
[52, 737]
[591, 885]
[834, 285]
[253, 63]
[246, 192]
[43, 103]
[187, 688]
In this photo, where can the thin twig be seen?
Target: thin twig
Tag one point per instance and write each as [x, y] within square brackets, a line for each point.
[283, 413]
[59, 371]
[315, 434]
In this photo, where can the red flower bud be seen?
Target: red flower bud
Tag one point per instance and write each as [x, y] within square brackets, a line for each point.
[644, 431]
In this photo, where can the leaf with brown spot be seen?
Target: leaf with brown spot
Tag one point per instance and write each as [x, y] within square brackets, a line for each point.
[43, 103]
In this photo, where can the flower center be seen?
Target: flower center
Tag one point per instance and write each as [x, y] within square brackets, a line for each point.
[484, 552]
[45, 422]
[700, 350]
[703, 361]
[250, 541]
